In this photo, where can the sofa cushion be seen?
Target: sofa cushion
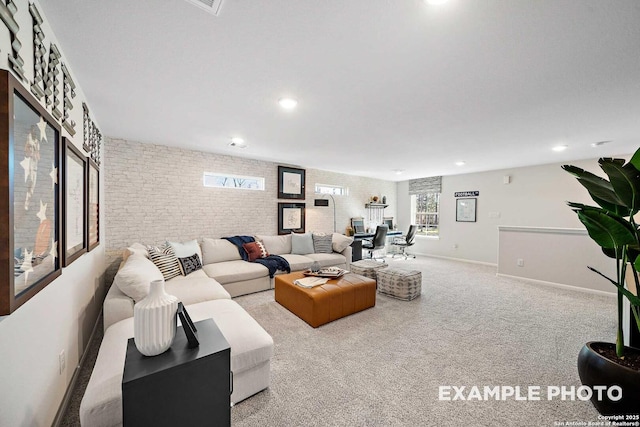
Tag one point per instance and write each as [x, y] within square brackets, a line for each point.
[189, 264]
[195, 287]
[327, 260]
[298, 262]
[235, 271]
[301, 244]
[255, 250]
[219, 250]
[136, 248]
[276, 245]
[135, 275]
[340, 242]
[165, 259]
[322, 244]
[186, 249]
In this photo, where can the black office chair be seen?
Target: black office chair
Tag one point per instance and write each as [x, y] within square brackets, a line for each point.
[378, 242]
[405, 241]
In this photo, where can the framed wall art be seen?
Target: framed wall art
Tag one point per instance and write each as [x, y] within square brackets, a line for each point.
[466, 209]
[29, 195]
[291, 218]
[93, 206]
[291, 183]
[74, 203]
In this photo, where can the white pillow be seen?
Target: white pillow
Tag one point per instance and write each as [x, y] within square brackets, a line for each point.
[301, 244]
[276, 245]
[186, 249]
[340, 242]
[219, 250]
[136, 274]
[136, 248]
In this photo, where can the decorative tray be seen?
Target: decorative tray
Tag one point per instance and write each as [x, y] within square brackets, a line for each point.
[331, 273]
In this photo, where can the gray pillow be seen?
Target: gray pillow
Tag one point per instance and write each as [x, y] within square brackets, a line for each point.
[322, 244]
[301, 244]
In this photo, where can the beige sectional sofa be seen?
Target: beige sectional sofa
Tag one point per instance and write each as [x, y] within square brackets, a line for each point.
[224, 274]
[206, 293]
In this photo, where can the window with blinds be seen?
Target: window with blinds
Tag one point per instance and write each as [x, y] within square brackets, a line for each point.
[425, 204]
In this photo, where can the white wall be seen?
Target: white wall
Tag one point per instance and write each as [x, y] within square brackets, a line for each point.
[60, 317]
[155, 192]
[535, 197]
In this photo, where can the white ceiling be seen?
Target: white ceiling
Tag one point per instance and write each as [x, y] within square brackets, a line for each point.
[382, 84]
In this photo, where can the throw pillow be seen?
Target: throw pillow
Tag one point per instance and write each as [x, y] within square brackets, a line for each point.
[340, 242]
[134, 276]
[136, 248]
[189, 264]
[186, 249]
[165, 259]
[276, 245]
[301, 244]
[255, 250]
[322, 244]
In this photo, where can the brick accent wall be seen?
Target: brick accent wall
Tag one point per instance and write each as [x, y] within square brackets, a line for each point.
[156, 193]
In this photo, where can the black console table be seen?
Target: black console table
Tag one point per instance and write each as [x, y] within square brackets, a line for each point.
[182, 386]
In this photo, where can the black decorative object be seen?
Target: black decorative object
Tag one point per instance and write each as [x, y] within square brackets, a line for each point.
[291, 183]
[188, 326]
[30, 239]
[291, 218]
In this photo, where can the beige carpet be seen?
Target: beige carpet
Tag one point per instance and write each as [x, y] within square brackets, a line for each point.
[383, 366]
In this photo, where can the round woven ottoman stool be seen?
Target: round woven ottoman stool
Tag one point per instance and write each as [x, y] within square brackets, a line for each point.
[402, 284]
[367, 268]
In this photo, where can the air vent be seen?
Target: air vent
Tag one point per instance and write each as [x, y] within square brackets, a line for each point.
[211, 6]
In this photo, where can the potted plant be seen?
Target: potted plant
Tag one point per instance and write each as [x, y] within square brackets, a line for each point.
[612, 226]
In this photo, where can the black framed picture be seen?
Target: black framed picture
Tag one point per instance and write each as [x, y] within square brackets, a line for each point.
[74, 203]
[291, 183]
[466, 209]
[93, 205]
[291, 218]
[30, 240]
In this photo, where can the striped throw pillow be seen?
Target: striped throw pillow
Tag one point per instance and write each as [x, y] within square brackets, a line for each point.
[322, 244]
[165, 259]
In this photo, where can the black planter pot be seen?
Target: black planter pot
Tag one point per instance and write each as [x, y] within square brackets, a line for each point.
[597, 370]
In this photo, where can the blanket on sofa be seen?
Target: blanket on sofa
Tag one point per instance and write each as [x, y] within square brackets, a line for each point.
[272, 262]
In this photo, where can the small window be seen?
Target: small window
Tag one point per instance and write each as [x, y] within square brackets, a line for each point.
[425, 209]
[224, 180]
[335, 190]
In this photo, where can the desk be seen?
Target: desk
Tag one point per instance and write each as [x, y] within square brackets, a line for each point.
[182, 386]
[356, 251]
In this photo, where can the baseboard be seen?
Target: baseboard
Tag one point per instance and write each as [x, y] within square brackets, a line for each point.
[470, 261]
[74, 379]
[559, 285]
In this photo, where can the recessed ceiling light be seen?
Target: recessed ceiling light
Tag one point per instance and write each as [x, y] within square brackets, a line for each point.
[237, 142]
[288, 103]
[560, 148]
[461, 163]
[398, 171]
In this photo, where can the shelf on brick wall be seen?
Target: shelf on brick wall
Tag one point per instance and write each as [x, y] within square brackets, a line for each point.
[375, 206]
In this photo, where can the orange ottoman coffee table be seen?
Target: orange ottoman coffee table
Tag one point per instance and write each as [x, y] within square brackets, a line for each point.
[325, 303]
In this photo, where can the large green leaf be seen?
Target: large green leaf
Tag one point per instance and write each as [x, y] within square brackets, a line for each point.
[599, 188]
[625, 180]
[606, 229]
[635, 159]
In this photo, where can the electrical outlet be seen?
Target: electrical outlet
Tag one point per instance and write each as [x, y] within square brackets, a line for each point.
[520, 262]
[62, 361]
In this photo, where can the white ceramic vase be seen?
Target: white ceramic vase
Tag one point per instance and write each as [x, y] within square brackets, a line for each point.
[154, 320]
